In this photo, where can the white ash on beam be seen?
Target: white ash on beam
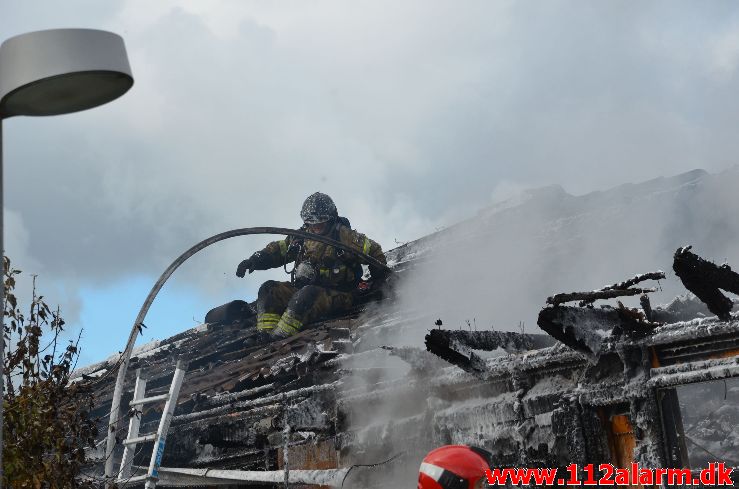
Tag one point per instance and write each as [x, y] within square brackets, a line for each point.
[456, 347]
[223, 398]
[594, 295]
[658, 275]
[179, 477]
[441, 344]
[418, 359]
[492, 340]
[621, 289]
[583, 329]
[283, 396]
[699, 371]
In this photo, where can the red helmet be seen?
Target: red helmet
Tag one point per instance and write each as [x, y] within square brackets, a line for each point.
[453, 467]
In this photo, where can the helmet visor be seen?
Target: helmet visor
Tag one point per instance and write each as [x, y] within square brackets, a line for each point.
[315, 219]
[318, 228]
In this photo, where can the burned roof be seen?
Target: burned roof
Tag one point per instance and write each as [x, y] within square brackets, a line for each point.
[597, 382]
[332, 396]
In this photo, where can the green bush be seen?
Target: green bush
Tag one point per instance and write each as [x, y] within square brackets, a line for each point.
[46, 422]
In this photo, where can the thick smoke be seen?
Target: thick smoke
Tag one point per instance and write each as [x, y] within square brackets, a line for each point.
[406, 114]
[497, 269]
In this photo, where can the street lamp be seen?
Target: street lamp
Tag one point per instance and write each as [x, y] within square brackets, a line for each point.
[54, 72]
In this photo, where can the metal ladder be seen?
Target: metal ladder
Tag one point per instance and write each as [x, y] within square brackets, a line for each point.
[159, 438]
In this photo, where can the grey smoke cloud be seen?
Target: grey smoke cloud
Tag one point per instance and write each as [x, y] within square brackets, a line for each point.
[496, 270]
[411, 116]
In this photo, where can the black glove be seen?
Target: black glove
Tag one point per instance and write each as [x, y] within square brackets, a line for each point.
[295, 245]
[378, 275]
[245, 265]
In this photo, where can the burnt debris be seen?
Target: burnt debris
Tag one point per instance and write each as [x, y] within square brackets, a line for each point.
[606, 392]
[704, 279]
[586, 331]
[599, 386]
[457, 347]
[621, 289]
[587, 298]
[586, 328]
[634, 322]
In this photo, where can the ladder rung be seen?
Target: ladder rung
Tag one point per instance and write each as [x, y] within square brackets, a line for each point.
[132, 480]
[146, 400]
[140, 439]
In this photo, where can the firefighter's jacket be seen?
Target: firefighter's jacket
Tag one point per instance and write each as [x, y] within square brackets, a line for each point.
[335, 268]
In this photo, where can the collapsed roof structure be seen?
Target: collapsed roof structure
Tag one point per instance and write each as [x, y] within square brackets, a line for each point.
[601, 387]
[339, 405]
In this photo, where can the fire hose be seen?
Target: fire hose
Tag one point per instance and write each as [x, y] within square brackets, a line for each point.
[126, 355]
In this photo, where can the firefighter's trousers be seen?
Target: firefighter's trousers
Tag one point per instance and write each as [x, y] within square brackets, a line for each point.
[283, 308]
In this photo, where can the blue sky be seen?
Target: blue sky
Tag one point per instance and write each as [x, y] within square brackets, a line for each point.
[108, 310]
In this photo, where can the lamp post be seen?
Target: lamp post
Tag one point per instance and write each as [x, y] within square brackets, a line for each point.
[55, 72]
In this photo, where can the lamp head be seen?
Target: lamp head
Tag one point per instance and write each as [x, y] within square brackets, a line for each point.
[60, 71]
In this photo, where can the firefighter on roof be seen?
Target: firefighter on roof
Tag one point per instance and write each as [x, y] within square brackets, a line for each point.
[324, 279]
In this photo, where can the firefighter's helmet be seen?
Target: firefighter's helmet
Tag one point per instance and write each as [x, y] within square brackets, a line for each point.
[318, 208]
[454, 467]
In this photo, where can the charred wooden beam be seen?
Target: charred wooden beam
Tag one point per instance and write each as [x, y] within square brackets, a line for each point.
[184, 477]
[676, 449]
[441, 344]
[586, 329]
[588, 297]
[646, 305]
[418, 359]
[704, 279]
[582, 329]
[658, 275]
[492, 340]
[456, 346]
[634, 322]
[621, 289]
